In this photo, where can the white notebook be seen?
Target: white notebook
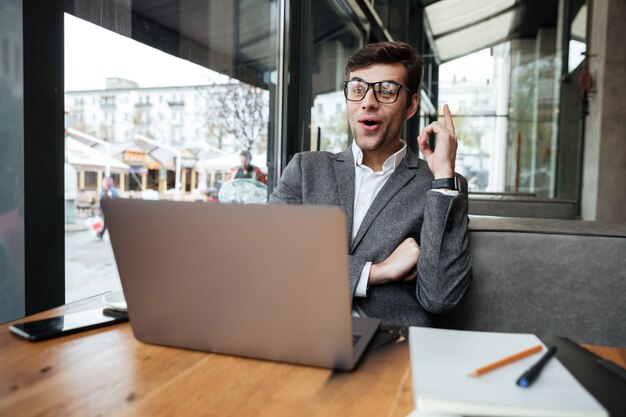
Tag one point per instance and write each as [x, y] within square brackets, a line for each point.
[442, 359]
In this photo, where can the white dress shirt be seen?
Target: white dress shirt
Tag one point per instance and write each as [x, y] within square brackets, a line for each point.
[367, 184]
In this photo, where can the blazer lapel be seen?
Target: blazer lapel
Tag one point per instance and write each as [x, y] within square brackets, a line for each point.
[344, 174]
[400, 177]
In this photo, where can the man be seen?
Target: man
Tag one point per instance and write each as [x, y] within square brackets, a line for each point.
[108, 191]
[407, 218]
[247, 170]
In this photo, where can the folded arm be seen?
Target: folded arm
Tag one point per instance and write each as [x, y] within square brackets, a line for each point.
[444, 266]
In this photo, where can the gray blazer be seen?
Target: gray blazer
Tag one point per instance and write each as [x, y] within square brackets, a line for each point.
[405, 207]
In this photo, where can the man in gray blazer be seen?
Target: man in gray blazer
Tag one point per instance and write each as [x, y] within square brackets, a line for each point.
[406, 217]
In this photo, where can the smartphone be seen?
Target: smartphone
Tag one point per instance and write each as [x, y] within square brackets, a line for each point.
[38, 330]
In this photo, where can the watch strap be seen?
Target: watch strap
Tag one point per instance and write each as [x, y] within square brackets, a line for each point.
[451, 183]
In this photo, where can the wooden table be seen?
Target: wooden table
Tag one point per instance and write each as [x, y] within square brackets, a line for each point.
[107, 372]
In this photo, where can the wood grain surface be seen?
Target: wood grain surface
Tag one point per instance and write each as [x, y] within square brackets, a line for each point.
[107, 372]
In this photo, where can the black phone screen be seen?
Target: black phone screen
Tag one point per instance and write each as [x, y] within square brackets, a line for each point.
[70, 323]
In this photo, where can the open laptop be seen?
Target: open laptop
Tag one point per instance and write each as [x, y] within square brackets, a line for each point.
[267, 282]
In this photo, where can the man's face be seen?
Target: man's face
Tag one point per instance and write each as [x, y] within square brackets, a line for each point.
[244, 160]
[376, 126]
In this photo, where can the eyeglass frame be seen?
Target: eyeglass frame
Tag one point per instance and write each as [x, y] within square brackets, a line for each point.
[370, 85]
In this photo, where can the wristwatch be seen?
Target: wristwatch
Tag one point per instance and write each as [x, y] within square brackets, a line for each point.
[451, 183]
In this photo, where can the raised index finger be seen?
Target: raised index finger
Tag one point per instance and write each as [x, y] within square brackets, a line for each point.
[448, 118]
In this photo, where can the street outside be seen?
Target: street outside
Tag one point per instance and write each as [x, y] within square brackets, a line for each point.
[89, 264]
[90, 267]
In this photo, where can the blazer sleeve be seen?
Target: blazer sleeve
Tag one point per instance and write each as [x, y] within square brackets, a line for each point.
[444, 267]
[355, 265]
[289, 187]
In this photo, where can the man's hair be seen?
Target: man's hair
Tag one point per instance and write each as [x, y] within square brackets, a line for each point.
[389, 53]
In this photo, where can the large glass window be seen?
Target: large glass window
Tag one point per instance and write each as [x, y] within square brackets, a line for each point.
[335, 38]
[475, 88]
[161, 103]
[533, 115]
[12, 286]
[505, 100]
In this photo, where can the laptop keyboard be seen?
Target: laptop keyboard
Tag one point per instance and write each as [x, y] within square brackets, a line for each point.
[355, 339]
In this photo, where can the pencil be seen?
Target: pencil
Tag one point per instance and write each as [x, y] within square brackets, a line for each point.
[506, 361]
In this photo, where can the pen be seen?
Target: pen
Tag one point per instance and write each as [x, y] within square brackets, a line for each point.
[506, 361]
[532, 374]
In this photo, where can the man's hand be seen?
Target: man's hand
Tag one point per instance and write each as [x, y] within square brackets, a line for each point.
[441, 161]
[400, 265]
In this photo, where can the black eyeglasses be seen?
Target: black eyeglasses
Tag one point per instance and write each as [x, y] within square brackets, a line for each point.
[384, 91]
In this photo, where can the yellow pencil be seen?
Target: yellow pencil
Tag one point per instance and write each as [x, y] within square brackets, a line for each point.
[506, 361]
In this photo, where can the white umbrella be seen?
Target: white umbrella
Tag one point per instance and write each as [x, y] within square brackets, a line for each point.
[86, 157]
[231, 160]
[222, 162]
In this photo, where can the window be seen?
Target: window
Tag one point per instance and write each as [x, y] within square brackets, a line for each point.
[203, 102]
[505, 106]
[335, 38]
[475, 88]
[12, 233]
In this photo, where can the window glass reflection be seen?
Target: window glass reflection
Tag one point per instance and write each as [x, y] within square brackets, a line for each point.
[11, 161]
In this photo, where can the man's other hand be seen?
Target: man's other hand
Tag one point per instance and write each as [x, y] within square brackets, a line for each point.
[400, 265]
[441, 161]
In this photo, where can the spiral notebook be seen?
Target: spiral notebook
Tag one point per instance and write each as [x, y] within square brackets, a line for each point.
[442, 359]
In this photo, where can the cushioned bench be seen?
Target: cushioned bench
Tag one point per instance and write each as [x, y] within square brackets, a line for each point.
[521, 206]
[548, 277]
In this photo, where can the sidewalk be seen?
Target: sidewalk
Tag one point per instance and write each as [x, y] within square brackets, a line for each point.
[89, 264]
[76, 227]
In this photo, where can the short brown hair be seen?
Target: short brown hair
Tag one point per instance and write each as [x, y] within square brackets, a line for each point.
[389, 53]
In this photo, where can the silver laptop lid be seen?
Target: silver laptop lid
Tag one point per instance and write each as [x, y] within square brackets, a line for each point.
[268, 282]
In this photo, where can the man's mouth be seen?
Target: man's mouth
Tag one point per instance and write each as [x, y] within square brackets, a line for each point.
[369, 123]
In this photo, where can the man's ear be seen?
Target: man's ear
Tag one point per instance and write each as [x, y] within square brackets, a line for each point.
[413, 106]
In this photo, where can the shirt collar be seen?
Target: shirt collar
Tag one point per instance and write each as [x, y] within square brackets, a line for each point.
[390, 164]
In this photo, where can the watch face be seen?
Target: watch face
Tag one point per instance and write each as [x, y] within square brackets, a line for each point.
[457, 185]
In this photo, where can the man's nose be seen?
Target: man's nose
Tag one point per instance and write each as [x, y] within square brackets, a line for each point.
[370, 99]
